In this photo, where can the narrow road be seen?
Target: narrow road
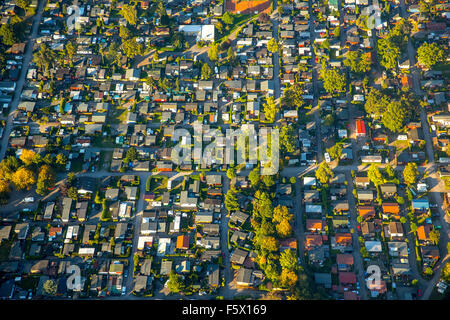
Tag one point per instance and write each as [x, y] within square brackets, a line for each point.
[356, 245]
[27, 58]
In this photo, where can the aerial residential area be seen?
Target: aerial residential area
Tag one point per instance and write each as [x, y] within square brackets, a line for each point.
[99, 98]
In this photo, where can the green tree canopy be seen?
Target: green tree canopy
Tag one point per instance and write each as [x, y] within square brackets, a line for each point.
[430, 53]
[270, 109]
[394, 117]
[129, 12]
[272, 45]
[333, 80]
[388, 53]
[410, 173]
[324, 173]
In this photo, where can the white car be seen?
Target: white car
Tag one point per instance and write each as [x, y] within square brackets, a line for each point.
[124, 289]
[28, 199]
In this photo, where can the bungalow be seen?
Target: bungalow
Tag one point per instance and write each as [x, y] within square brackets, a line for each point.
[238, 256]
[182, 242]
[395, 230]
[390, 209]
[344, 261]
[366, 212]
[365, 195]
[245, 277]
[314, 225]
[313, 241]
[342, 241]
[362, 182]
[388, 189]
[373, 246]
[423, 233]
[347, 278]
[398, 249]
[360, 128]
[368, 229]
[420, 204]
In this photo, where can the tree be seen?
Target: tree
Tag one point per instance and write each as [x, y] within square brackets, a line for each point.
[254, 177]
[281, 213]
[394, 116]
[413, 227]
[71, 49]
[50, 287]
[61, 160]
[358, 61]
[262, 205]
[228, 18]
[376, 103]
[44, 58]
[284, 229]
[23, 3]
[337, 32]
[272, 45]
[23, 179]
[434, 236]
[231, 173]
[288, 259]
[129, 12]
[73, 193]
[287, 140]
[46, 180]
[125, 33]
[293, 96]
[269, 243]
[206, 71]
[175, 283]
[219, 27]
[388, 53]
[270, 109]
[4, 186]
[132, 48]
[231, 55]
[131, 155]
[324, 173]
[430, 54]
[335, 151]
[410, 173]
[288, 278]
[334, 81]
[292, 180]
[268, 181]
[27, 156]
[8, 36]
[231, 202]
[213, 52]
[389, 171]
[374, 175]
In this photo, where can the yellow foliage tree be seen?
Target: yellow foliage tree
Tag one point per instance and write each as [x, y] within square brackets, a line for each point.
[288, 278]
[269, 244]
[23, 178]
[4, 186]
[27, 156]
[284, 228]
[281, 213]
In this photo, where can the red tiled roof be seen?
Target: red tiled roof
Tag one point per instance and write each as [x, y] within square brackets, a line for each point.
[347, 277]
